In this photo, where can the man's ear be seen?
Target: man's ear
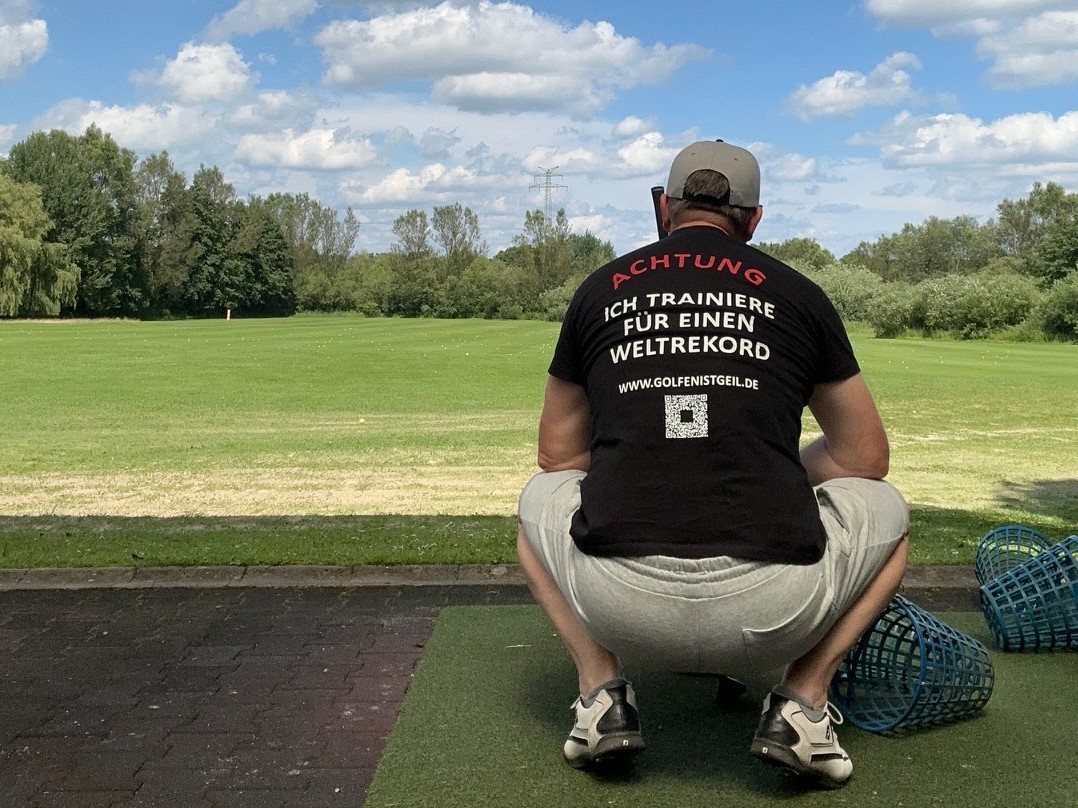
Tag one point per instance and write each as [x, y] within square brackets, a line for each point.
[664, 211]
[754, 220]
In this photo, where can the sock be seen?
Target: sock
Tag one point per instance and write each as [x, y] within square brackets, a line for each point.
[812, 713]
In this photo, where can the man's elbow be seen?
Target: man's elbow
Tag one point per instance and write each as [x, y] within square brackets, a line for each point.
[871, 461]
[546, 463]
[878, 461]
[549, 463]
[879, 469]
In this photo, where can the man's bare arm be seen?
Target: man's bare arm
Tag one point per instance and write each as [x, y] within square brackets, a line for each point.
[854, 443]
[564, 427]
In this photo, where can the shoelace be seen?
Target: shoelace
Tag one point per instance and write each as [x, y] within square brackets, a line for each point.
[833, 713]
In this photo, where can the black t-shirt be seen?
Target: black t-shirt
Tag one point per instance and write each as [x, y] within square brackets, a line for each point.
[698, 355]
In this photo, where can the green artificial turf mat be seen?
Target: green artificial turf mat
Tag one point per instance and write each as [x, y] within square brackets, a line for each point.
[485, 718]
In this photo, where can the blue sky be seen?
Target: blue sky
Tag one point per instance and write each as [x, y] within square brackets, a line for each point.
[865, 114]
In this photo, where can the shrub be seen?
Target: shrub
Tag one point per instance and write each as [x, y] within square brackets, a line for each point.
[894, 310]
[973, 306]
[852, 289]
[1059, 312]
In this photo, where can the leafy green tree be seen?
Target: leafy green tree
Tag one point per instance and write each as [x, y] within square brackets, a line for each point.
[413, 235]
[1059, 312]
[89, 193]
[259, 244]
[23, 222]
[319, 236]
[374, 274]
[215, 275]
[165, 224]
[487, 288]
[418, 275]
[853, 289]
[553, 303]
[455, 230]
[54, 282]
[1023, 222]
[588, 252]
[800, 253]
[37, 277]
[931, 249]
[1055, 254]
[544, 253]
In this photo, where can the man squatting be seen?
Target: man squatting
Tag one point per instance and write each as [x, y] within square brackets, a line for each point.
[678, 523]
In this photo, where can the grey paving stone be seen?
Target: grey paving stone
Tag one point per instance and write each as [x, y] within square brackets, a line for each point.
[186, 576]
[297, 576]
[10, 578]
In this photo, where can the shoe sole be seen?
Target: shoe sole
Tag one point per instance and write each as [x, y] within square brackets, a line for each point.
[784, 757]
[617, 747]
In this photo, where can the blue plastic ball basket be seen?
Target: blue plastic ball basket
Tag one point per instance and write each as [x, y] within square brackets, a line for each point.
[1006, 547]
[910, 671]
[1034, 607]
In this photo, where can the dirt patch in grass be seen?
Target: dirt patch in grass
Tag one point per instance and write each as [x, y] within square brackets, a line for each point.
[406, 490]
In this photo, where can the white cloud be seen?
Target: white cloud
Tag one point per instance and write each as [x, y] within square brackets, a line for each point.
[632, 127]
[519, 92]
[436, 143]
[1023, 143]
[320, 149]
[595, 223]
[1041, 51]
[793, 168]
[202, 73]
[1031, 43]
[276, 108]
[933, 13]
[845, 92]
[7, 136]
[143, 127]
[648, 154]
[21, 44]
[425, 186]
[487, 56]
[255, 16]
[578, 160]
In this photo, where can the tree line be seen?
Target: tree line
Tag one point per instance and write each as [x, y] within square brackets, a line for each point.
[87, 229]
[1015, 276]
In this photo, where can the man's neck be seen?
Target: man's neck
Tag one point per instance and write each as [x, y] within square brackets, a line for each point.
[706, 223]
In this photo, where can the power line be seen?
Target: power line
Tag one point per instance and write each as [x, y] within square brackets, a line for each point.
[548, 185]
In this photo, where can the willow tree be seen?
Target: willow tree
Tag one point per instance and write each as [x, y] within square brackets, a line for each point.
[37, 278]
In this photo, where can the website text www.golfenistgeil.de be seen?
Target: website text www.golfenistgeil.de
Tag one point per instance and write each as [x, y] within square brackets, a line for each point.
[677, 382]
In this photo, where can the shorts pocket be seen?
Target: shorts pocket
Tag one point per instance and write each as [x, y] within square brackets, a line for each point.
[765, 636]
[788, 636]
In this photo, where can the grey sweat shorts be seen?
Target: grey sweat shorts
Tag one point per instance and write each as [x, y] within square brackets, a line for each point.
[722, 614]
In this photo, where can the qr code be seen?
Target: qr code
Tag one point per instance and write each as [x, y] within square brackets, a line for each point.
[686, 416]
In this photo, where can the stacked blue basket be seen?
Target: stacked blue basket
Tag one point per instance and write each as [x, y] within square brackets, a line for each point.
[911, 670]
[1006, 547]
[1034, 606]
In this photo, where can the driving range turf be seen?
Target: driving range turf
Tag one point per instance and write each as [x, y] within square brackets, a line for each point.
[486, 715]
[345, 440]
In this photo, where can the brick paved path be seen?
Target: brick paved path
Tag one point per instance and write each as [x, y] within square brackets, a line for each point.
[207, 698]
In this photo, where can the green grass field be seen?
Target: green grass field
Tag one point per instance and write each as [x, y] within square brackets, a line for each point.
[343, 440]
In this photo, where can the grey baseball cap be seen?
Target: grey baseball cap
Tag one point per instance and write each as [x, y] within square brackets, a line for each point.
[733, 162]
